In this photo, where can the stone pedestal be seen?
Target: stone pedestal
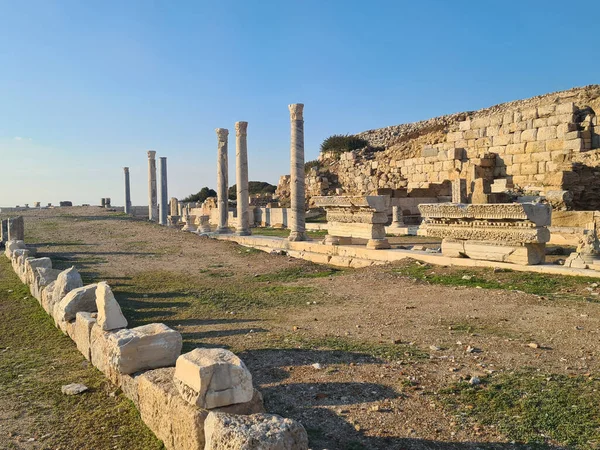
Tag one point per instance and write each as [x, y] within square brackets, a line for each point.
[173, 221]
[152, 194]
[204, 224]
[16, 229]
[174, 207]
[298, 200]
[351, 218]
[189, 223]
[222, 180]
[241, 154]
[506, 232]
[127, 191]
[163, 211]
[107, 202]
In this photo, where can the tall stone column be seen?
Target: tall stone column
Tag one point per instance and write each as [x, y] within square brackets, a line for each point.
[241, 179]
[298, 200]
[163, 211]
[127, 191]
[222, 182]
[152, 202]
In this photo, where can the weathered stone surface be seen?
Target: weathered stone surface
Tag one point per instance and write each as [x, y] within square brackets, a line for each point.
[34, 263]
[254, 432]
[146, 347]
[99, 347]
[66, 281]
[11, 246]
[81, 299]
[174, 421]
[82, 333]
[73, 389]
[47, 299]
[212, 377]
[528, 254]
[110, 316]
[16, 229]
[42, 279]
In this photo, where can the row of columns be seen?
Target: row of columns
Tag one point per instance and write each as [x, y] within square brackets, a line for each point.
[298, 200]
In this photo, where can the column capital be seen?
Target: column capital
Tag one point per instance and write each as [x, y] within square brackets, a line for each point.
[222, 133]
[241, 128]
[296, 111]
[126, 169]
[151, 154]
[162, 157]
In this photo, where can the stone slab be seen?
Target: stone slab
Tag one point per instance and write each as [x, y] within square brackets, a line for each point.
[528, 254]
[110, 316]
[83, 329]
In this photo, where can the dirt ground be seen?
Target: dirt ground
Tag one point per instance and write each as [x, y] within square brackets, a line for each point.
[360, 357]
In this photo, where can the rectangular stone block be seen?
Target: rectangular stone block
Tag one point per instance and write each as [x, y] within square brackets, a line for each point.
[504, 139]
[529, 169]
[573, 144]
[529, 254]
[529, 114]
[174, 421]
[546, 111]
[514, 149]
[546, 133]
[565, 108]
[554, 145]
[508, 118]
[522, 158]
[455, 136]
[465, 125]
[480, 122]
[82, 335]
[535, 146]
[529, 135]
[492, 130]
[472, 134]
[540, 123]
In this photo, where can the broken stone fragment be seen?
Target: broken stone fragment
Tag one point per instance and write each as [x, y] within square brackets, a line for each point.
[66, 281]
[34, 263]
[110, 316]
[255, 432]
[47, 299]
[146, 347]
[213, 377]
[174, 421]
[42, 279]
[73, 389]
[81, 299]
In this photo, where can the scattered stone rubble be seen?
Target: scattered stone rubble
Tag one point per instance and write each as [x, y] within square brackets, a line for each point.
[174, 402]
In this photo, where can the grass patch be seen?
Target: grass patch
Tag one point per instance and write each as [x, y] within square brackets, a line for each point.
[533, 408]
[551, 286]
[36, 359]
[296, 273]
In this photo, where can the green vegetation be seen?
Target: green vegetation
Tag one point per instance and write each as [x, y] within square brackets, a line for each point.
[37, 359]
[551, 286]
[311, 164]
[204, 193]
[533, 408]
[295, 273]
[340, 143]
[254, 188]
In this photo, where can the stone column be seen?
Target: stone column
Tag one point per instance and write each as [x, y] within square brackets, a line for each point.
[241, 166]
[127, 191]
[222, 182]
[298, 201]
[4, 230]
[163, 212]
[397, 217]
[152, 201]
[103, 202]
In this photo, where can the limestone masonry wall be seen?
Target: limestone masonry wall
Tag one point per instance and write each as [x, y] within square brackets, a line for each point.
[546, 143]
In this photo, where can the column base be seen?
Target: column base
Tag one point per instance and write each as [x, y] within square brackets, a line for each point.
[378, 244]
[243, 233]
[337, 240]
[224, 230]
[190, 228]
[296, 236]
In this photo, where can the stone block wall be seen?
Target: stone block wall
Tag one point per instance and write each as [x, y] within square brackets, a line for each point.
[542, 144]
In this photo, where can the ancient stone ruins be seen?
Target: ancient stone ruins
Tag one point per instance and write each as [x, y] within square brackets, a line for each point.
[495, 186]
[203, 399]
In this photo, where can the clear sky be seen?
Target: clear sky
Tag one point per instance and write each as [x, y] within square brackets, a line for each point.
[86, 87]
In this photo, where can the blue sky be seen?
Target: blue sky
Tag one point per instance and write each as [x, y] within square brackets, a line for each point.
[87, 87]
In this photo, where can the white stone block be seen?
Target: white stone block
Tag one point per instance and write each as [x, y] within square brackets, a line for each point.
[81, 299]
[214, 377]
[110, 316]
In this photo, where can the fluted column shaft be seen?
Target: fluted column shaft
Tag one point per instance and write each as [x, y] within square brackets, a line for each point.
[222, 181]
[164, 208]
[298, 200]
[152, 201]
[241, 179]
[127, 191]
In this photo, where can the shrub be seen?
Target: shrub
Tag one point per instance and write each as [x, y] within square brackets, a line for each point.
[343, 143]
[204, 193]
[311, 164]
